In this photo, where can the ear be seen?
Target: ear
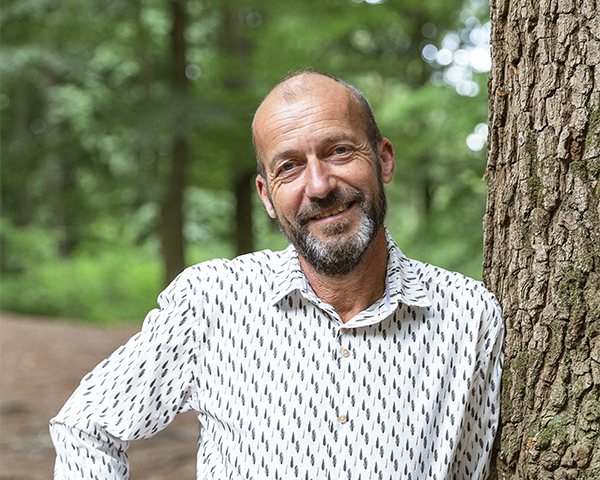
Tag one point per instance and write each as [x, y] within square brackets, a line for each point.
[388, 160]
[263, 192]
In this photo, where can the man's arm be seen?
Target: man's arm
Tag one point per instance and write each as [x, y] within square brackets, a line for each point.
[87, 455]
[480, 424]
[133, 394]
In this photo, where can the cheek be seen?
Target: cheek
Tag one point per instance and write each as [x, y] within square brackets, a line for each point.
[363, 176]
[284, 196]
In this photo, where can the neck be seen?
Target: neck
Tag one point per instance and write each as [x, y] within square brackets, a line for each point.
[352, 293]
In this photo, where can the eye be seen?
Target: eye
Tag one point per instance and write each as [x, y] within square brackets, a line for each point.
[286, 168]
[341, 150]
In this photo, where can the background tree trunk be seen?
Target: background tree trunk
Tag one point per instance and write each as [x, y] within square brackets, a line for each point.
[22, 138]
[542, 234]
[244, 191]
[171, 215]
[238, 49]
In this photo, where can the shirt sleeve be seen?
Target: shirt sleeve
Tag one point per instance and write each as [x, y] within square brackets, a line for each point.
[133, 394]
[480, 423]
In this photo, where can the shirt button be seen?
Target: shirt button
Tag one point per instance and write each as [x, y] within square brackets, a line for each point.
[342, 419]
[346, 330]
[345, 352]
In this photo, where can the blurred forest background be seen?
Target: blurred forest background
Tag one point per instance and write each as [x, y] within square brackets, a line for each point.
[126, 148]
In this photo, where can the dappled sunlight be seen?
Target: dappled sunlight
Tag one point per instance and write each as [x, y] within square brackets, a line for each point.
[93, 122]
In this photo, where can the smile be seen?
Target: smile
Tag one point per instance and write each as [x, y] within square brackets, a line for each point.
[335, 211]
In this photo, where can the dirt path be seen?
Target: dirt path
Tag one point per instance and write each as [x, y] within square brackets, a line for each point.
[41, 363]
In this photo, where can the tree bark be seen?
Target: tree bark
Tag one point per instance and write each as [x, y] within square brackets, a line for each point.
[542, 234]
[171, 215]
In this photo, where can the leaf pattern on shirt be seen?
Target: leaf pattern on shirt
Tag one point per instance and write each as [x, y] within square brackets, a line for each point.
[408, 389]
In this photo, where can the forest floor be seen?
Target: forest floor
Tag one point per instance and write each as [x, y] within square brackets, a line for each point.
[41, 363]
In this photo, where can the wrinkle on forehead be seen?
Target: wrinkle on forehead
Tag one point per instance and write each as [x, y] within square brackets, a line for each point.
[313, 94]
[299, 114]
[302, 86]
[286, 134]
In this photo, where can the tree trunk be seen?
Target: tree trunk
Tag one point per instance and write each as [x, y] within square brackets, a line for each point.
[171, 216]
[244, 192]
[542, 234]
[238, 49]
[21, 136]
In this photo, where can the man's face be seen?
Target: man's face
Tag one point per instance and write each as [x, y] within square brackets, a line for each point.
[324, 183]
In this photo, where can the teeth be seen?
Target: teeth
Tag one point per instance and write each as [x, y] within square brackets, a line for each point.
[337, 210]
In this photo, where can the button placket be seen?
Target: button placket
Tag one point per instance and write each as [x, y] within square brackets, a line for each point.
[345, 353]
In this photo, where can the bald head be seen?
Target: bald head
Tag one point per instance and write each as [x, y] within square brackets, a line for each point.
[309, 84]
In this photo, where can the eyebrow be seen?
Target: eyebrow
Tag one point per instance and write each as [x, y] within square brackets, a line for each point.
[292, 152]
[282, 156]
[336, 137]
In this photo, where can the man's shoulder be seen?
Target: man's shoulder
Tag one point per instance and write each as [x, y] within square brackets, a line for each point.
[448, 289]
[438, 280]
[438, 284]
[255, 264]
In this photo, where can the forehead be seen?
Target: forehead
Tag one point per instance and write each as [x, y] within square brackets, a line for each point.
[321, 108]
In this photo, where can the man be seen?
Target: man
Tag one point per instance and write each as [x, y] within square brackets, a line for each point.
[335, 358]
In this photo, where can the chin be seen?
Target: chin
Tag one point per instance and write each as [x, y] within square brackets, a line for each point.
[335, 230]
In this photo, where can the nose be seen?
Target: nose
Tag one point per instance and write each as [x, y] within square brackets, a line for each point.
[319, 179]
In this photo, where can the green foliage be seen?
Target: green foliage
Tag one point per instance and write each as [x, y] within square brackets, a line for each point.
[437, 197]
[111, 285]
[88, 117]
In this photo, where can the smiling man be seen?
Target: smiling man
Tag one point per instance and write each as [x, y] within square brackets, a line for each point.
[322, 177]
[336, 358]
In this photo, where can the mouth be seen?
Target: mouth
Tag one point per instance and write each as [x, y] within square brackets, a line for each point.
[333, 212]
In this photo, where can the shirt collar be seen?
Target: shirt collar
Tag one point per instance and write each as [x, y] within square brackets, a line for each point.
[402, 283]
[288, 275]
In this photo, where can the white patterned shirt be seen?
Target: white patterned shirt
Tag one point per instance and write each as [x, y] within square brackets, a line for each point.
[283, 389]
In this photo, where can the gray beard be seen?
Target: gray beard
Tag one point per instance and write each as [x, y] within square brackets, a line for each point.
[338, 256]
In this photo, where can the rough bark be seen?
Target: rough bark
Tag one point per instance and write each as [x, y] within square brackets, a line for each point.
[171, 216]
[542, 234]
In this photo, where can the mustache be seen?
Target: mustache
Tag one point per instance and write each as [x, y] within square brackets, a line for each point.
[334, 198]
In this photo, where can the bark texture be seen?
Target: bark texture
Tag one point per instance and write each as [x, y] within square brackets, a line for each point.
[542, 234]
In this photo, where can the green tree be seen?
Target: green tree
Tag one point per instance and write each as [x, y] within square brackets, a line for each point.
[171, 214]
[105, 151]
